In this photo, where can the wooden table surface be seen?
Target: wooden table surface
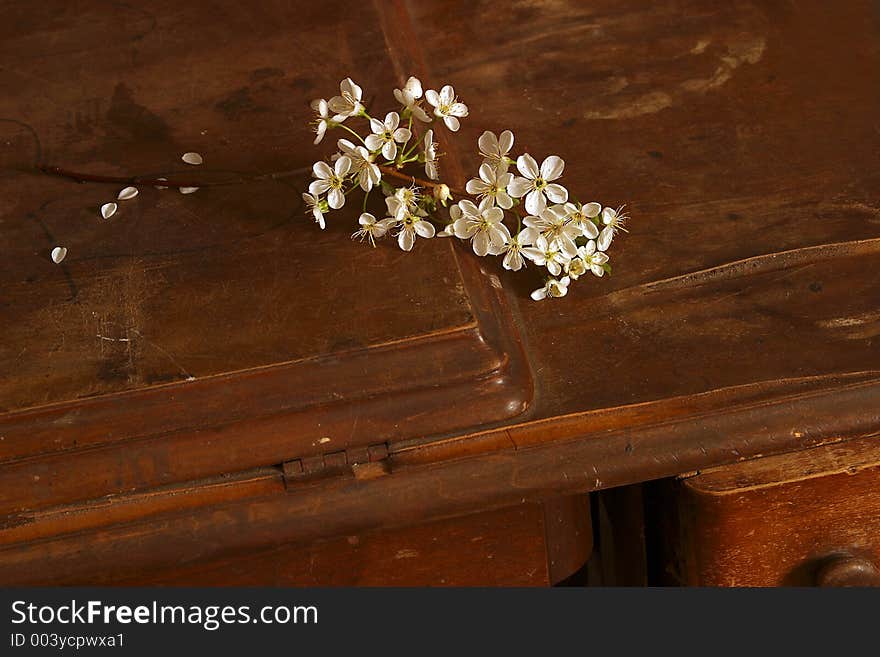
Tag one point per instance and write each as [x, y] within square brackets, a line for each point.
[192, 344]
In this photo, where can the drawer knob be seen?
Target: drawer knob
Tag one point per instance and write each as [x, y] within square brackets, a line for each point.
[848, 570]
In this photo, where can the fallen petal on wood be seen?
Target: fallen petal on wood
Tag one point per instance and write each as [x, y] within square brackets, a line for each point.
[188, 190]
[127, 193]
[192, 158]
[108, 210]
[58, 254]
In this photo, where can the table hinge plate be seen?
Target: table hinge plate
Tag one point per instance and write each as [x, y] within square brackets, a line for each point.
[359, 462]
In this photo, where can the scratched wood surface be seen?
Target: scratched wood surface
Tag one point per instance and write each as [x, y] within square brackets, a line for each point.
[183, 312]
[782, 520]
[742, 317]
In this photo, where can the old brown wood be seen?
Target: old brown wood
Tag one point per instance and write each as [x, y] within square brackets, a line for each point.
[810, 518]
[210, 372]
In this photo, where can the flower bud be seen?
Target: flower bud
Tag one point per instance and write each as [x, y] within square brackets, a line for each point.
[442, 194]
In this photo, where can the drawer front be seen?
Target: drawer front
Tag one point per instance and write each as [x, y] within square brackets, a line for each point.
[802, 519]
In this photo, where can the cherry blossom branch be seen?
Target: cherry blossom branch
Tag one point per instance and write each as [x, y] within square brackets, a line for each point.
[394, 173]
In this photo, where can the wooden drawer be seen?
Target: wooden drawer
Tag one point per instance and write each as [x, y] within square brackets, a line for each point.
[531, 544]
[801, 519]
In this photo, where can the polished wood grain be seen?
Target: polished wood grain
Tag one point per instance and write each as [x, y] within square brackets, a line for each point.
[803, 519]
[525, 545]
[741, 318]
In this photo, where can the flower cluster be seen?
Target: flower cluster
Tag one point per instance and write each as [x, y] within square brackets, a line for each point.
[554, 231]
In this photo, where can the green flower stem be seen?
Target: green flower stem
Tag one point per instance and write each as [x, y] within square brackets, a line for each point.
[345, 127]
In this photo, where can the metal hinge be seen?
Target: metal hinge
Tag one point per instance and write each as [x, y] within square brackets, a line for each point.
[366, 462]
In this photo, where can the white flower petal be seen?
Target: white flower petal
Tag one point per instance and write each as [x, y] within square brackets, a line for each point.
[322, 170]
[535, 202]
[447, 94]
[342, 166]
[432, 97]
[336, 198]
[389, 150]
[316, 187]
[513, 260]
[504, 200]
[377, 127]
[127, 193]
[556, 193]
[519, 187]
[487, 173]
[552, 168]
[420, 114]
[192, 158]
[527, 166]
[539, 294]
[481, 244]
[458, 109]
[452, 123]
[58, 254]
[494, 215]
[505, 142]
[534, 254]
[592, 209]
[488, 143]
[319, 132]
[424, 229]
[527, 236]
[463, 229]
[374, 142]
[414, 86]
[588, 229]
[108, 210]
[190, 190]
[406, 239]
[475, 187]
[605, 238]
[392, 120]
[402, 135]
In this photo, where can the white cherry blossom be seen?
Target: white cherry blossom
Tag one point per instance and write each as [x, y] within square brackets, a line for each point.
[553, 288]
[386, 135]
[331, 181]
[431, 168]
[513, 257]
[558, 230]
[492, 184]
[324, 119]
[576, 268]
[483, 225]
[494, 149]
[614, 221]
[411, 222]
[592, 258]
[408, 195]
[545, 254]
[409, 96]
[371, 229]
[362, 164]
[315, 208]
[582, 216]
[348, 102]
[447, 107]
[536, 183]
